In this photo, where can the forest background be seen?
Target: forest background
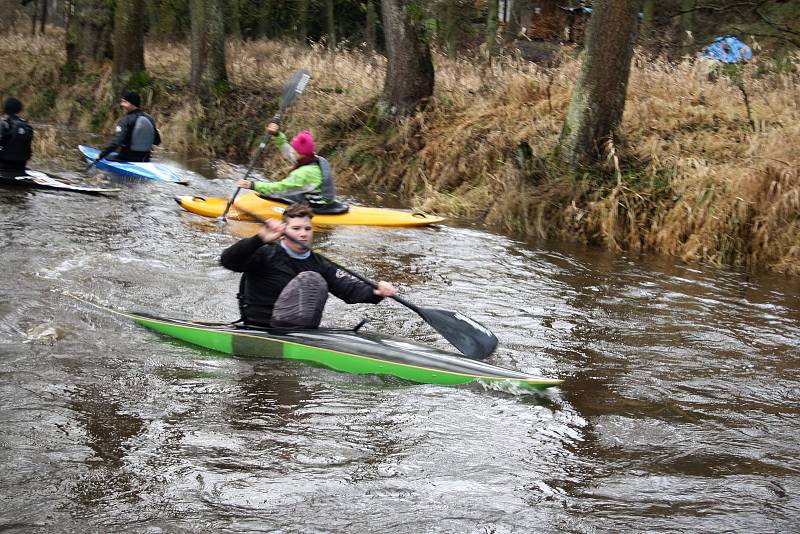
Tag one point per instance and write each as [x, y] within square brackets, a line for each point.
[468, 115]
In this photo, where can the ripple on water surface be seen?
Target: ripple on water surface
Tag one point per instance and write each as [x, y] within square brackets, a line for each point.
[678, 411]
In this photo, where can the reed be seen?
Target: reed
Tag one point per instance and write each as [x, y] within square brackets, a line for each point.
[689, 175]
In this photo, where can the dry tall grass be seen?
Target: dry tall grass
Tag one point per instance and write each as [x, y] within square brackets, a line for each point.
[689, 178]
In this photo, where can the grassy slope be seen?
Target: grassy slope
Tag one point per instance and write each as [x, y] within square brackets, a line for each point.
[694, 180]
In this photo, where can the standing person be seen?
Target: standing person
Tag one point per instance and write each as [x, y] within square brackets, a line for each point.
[311, 177]
[285, 284]
[135, 135]
[16, 137]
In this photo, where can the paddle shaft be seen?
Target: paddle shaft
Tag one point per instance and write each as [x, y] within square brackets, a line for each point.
[353, 273]
[366, 280]
[361, 277]
[293, 88]
[261, 146]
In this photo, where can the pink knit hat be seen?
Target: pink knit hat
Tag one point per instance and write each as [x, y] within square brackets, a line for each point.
[303, 143]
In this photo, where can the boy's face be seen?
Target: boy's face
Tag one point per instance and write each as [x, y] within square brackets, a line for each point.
[299, 229]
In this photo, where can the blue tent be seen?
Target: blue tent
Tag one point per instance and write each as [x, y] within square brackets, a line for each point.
[728, 50]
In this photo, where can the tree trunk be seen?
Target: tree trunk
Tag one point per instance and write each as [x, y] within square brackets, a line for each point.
[598, 99]
[491, 28]
[451, 20]
[687, 26]
[55, 13]
[266, 18]
[331, 25]
[128, 68]
[648, 14]
[34, 15]
[233, 17]
[88, 32]
[302, 20]
[370, 31]
[44, 17]
[209, 75]
[168, 27]
[519, 20]
[409, 71]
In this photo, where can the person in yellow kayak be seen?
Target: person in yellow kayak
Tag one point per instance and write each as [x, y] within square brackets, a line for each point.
[311, 177]
[284, 283]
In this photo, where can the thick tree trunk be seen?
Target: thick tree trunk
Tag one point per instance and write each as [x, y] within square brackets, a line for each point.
[409, 71]
[217, 72]
[128, 68]
[88, 35]
[209, 74]
[598, 99]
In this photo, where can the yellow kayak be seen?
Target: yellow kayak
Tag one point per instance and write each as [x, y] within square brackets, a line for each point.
[264, 208]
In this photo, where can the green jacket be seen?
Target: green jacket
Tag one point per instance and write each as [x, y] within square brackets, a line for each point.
[305, 179]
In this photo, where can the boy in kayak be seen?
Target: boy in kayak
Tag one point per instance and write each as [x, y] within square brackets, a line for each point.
[284, 283]
[135, 135]
[311, 177]
[16, 137]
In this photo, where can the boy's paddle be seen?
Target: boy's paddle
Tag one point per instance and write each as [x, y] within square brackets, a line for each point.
[293, 88]
[470, 337]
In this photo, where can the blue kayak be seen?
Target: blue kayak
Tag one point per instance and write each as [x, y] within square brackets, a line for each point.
[148, 171]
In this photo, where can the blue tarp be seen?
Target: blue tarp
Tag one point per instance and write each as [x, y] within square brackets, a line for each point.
[728, 50]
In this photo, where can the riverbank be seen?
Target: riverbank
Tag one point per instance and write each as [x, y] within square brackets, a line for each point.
[696, 176]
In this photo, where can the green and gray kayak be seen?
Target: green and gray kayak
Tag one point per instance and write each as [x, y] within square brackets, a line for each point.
[345, 350]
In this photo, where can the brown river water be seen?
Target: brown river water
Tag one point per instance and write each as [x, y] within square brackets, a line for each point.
[679, 410]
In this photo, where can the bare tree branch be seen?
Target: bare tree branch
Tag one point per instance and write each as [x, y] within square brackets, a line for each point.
[740, 8]
[771, 24]
[785, 38]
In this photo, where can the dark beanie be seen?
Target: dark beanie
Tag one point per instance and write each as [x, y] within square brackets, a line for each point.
[12, 106]
[132, 97]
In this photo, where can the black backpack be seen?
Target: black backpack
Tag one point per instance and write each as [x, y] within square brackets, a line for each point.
[16, 141]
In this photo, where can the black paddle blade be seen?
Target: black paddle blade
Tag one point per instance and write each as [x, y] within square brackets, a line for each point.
[470, 337]
[294, 87]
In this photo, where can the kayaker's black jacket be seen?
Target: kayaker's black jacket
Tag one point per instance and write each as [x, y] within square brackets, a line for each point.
[135, 136]
[16, 137]
[268, 268]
